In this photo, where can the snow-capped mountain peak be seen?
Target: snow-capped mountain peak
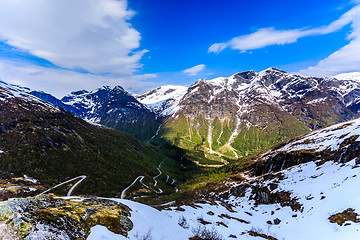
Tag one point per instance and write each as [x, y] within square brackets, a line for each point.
[163, 100]
[113, 107]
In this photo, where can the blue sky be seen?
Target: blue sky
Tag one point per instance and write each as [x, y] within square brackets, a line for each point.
[59, 46]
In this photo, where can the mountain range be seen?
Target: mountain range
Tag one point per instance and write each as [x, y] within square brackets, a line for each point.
[225, 118]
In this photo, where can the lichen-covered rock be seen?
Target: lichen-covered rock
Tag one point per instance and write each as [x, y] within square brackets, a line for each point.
[50, 217]
[347, 215]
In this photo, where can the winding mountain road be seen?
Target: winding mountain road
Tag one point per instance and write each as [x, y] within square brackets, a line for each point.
[71, 189]
[141, 178]
[154, 178]
[123, 192]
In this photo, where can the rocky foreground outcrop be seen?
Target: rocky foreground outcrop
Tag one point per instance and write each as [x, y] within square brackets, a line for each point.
[50, 217]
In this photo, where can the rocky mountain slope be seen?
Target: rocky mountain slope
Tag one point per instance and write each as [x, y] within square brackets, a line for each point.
[47, 143]
[48, 217]
[248, 112]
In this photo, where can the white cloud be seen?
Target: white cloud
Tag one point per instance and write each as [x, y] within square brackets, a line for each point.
[270, 36]
[347, 59]
[60, 82]
[91, 34]
[193, 71]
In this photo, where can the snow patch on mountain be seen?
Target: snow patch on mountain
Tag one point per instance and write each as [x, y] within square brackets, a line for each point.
[316, 101]
[219, 81]
[99, 232]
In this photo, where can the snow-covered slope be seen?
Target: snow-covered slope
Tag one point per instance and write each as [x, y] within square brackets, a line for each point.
[329, 138]
[349, 76]
[148, 222]
[9, 92]
[163, 100]
[320, 191]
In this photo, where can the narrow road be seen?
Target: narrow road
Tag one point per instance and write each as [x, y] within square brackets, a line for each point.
[123, 192]
[158, 192]
[158, 168]
[141, 178]
[71, 189]
[75, 185]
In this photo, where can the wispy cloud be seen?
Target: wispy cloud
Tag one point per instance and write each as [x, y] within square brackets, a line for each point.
[193, 71]
[92, 35]
[270, 36]
[261, 38]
